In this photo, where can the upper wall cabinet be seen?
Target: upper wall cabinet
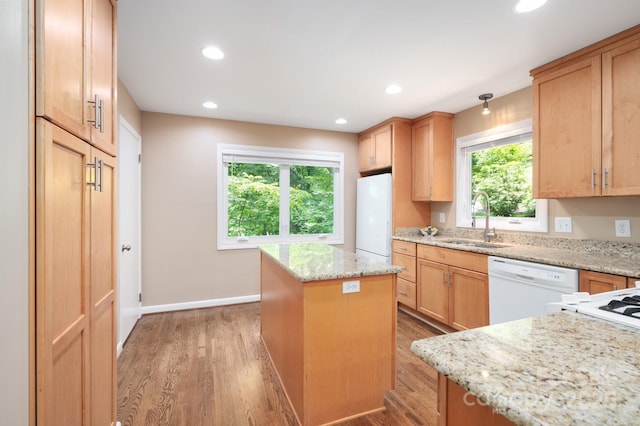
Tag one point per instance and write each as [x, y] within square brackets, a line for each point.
[585, 121]
[76, 68]
[390, 143]
[375, 149]
[432, 157]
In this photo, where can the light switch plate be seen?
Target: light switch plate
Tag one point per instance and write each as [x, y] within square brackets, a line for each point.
[350, 287]
[563, 224]
[623, 228]
[442, 218]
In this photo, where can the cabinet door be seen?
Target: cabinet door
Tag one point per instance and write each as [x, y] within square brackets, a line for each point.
[469, 299]
[433, 290]
[62, 277]
[381, 140]
[103, 293]
[406, 293]
[567, 131]
[103, 73]
[421, 154]
[597, 282]
[365, 152]
[60, 65]
[620, 123]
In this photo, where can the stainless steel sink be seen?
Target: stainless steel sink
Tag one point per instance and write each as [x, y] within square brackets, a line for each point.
[480, 244]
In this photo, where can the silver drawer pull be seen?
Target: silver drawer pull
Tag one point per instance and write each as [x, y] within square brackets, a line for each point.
[402, 292]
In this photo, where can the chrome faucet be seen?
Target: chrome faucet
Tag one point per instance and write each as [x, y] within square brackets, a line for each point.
[487, 233]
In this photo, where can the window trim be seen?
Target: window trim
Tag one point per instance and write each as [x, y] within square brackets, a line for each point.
[284, 157]
[463, 181]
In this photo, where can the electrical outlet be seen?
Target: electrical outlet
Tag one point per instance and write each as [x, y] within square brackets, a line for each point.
[442, 218]
[563, 224]
[623, 228]
[350, 287]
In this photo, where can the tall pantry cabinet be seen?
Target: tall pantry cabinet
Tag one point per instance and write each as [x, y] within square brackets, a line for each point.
[75, 212]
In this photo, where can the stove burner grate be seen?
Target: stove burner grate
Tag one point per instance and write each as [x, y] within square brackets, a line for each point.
[629, 306]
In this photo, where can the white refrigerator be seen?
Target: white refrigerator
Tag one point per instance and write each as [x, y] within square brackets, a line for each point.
[373, 217]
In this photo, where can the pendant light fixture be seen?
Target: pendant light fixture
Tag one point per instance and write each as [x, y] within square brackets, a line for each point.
[485, 106]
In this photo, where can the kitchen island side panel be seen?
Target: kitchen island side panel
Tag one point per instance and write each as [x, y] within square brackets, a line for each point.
[350, 342]
[281, 324]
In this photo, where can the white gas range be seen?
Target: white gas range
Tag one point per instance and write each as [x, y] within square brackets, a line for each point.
[620, 306]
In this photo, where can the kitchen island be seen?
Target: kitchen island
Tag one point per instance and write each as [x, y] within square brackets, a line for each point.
[328, 322]
[558, 369]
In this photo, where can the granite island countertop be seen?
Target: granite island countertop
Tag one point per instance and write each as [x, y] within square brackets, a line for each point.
[558, 369]
[600, 256]
[319, 261]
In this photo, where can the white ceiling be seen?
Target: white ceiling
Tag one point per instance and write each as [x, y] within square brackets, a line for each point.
[305, 63]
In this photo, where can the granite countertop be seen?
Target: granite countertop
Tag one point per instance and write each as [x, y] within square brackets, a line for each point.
[319, 261]
[601, 256]
[546, 370]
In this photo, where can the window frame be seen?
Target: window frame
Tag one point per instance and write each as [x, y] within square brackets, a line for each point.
[284, 158]
[463, 181]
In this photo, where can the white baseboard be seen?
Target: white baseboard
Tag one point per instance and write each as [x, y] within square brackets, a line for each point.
[200, 304]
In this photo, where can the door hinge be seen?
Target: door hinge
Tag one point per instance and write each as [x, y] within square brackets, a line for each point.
[139, 158]
[140, 297]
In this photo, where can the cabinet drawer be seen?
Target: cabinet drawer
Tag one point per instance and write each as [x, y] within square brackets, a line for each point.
[406, 292]
[409, 264]
[403, 247]
[460, 258]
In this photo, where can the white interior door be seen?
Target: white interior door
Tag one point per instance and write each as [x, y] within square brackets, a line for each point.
[129, 250]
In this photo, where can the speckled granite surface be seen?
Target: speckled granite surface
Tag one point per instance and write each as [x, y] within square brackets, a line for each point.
[601, 256]
[546, 370]
[317, 261]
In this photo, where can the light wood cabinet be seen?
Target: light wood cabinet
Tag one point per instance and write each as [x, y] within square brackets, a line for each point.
[75, 280]
[458, 407]
[320, 363]
[598, 282]
[404, 254]
[405, 212]
[75, 213]
[432, 157]
[453, 286]
[584, 133]
[375, 149]
[76, 68]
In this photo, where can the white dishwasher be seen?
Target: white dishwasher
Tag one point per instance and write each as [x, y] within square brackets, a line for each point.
[519, 289]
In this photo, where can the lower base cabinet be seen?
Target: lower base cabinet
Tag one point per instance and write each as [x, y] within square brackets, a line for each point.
[453, 287]
[598, 282]
[458, 407]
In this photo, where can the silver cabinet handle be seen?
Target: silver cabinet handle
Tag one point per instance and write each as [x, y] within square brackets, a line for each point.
[593, 178]
[96, 107]
[95, 173]
[101, 116]
[126, 248]
[604, 178]
[402, 292]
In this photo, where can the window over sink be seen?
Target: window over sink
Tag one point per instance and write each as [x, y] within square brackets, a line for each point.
[498, 161]
[274, 195]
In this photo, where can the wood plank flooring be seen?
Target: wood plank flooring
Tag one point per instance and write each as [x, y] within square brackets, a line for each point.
[209, 367]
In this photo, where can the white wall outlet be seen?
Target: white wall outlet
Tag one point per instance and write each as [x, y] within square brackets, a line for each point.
[623, 228]
[563, 224]
[442, 218]
[350, 287]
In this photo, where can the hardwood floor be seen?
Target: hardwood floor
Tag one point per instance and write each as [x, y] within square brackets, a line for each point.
[209, 367]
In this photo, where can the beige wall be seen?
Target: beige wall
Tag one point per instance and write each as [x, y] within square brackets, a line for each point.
[14, 212]
[128, 109]
[180, 262]
[592, 217]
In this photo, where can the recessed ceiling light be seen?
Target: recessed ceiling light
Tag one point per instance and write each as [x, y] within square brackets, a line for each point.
[210, 105]
[524, 6]
[341, 121]
[392, 89]
[212, 52]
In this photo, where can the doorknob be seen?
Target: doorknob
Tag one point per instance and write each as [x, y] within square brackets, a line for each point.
[126, 248]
